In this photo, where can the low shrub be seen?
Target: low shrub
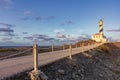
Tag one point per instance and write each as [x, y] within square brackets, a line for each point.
[104, 48]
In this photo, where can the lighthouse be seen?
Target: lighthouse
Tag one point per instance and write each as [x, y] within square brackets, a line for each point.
[99, 37]
[101, 27]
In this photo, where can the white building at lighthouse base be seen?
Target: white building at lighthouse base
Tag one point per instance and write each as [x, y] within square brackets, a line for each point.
[99, 38]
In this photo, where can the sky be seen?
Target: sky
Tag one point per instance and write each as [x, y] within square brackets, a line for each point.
[24, 22]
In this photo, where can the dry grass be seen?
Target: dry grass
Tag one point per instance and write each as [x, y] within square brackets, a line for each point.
[104, 48]
[6, 50]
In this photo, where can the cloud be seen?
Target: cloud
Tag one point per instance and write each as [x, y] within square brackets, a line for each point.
[71, 39]
[5, 3]
[6, 25]
[24, 32]
[27, 13]
[9, 34]
[12, 43]
[62, 24]
[17, 37]
[50, 18]
[114, 30]
[49, 39]
[59, 30]
[67, 23]
[43, 37]
[6, 30]
[38, 18]
[86, 35]
[60, 36]
[29, 37]
[25, 18]
[7, 39]
[80, 38]
[40, 37]
[110, 39]
[80, 30]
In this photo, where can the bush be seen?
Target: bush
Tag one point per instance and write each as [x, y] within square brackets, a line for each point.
[104, 48]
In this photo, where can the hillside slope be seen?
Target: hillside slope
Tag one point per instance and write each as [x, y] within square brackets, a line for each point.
[103, 65]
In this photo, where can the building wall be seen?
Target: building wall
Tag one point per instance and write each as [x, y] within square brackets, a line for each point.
[97, 38]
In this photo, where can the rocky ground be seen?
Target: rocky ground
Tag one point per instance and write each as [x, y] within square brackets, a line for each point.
[103, 65]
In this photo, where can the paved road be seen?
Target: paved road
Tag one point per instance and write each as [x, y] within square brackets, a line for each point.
[12, 66]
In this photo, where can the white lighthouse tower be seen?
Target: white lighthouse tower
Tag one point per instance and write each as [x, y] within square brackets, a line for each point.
[99, 37]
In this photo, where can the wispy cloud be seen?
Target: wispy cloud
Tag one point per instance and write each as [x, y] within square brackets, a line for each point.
[60, 35]
[24, 32]
[29, 37]
[86, 35]
[72, 38]
[6, 25]
[12, 43]
[110, 39]
[7, 39]
[59, 30]
[6, 30]
[114, 30]
[80, 38]
[80, 31]
[26, 18]
[5, 3]
[38, 18]
[27, 13]
[39, 37]
[50, 18]
[69, 22]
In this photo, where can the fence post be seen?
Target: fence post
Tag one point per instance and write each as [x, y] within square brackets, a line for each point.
[80, 44]
[63, 47]
[52, 47]
[88, 46]
[36, 74]
[82, 47]
[92, 45]
[35, 54]
[76, 45]
[70, 51]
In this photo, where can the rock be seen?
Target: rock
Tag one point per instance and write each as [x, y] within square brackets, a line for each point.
[73, 75]
[79, 71]
[101, 75]
[26, 78]
[77, 76]
[60, 71]
[57, 79]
